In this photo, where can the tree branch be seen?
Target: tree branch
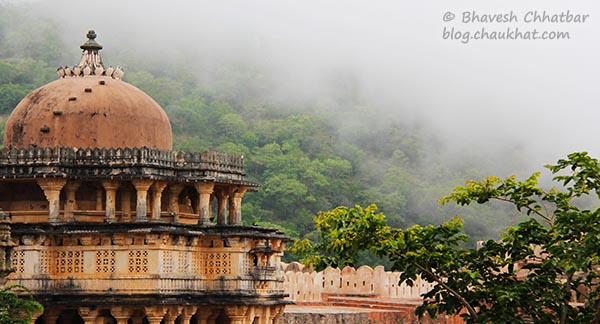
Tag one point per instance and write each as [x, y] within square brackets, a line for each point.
[453, 292]
[546, 218]
[563, 316]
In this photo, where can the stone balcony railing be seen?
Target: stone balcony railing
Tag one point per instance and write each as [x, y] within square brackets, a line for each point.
[79, 161]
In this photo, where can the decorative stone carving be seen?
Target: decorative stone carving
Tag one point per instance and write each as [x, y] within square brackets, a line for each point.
[141, 187]
[235, 205]
[157, 189]
[205, 189]
[121, 313]
[236, 313]
[51, 188]
[222, 197]
[110, 187]
[155, 314]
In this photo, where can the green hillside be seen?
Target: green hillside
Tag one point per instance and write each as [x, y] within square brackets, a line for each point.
[306, 158]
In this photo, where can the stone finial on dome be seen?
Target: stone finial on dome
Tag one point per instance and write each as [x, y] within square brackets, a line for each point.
[91, 62]
[91, 44]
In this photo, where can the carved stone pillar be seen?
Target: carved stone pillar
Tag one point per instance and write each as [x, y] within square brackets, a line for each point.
[236, 314]
[266, 317]
[155, 314]
[141, 187]
[88, 315]
[71, 203]
[121, 314]
[172, 314]
[111, 186]
[51, 188]
[126, 202]
[187, 314]
[270, 314]
[235, 205]
[205, 189]
[157, 190]
[174, 191]
[222, 197]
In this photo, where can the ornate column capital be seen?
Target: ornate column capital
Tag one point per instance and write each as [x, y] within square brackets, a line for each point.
[204, 187]
[236, 313]
[121, 313]
[110, 184]
[142, 184]
[155, 314]
[88, 314]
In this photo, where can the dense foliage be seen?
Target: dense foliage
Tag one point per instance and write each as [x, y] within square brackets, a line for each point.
[543, 270]
[17, 306]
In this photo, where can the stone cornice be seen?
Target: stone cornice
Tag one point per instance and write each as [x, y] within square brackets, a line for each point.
[89, 228]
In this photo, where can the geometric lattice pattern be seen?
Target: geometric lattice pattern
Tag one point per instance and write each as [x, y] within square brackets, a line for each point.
[18, 261]
[195, 267]
[183, 265]
[45, 260]
[167, 262]
[67, 262]
[138, 261]
[247, 262]
[216, 264]
[105, 261]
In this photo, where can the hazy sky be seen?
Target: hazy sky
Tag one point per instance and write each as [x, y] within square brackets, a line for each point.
[540, 95]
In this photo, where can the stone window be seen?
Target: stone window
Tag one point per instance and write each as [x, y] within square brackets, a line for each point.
[183, 265]
[18, 261]
[217, 264]
[45, 260]
[105, 261]
[67, 262]
[195, 263]
[167, 264]
[138, 261]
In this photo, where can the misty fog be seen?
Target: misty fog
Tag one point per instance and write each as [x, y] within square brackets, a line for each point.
[538, 97]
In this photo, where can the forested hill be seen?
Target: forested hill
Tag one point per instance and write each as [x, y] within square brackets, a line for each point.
[309, 155]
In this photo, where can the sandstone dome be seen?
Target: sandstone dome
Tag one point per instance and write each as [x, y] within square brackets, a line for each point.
[91, 108]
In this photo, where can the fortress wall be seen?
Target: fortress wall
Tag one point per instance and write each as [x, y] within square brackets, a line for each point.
[306, 286]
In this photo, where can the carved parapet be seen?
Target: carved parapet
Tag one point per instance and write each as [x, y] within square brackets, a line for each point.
[309, 286]
[124, 163]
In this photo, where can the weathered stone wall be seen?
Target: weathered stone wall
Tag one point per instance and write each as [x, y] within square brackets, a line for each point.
[320, 318]
[305, 286]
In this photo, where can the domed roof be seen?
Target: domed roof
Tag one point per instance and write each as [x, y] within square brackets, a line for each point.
[89, 106]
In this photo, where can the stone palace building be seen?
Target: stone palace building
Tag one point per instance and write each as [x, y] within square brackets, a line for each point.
[112, 226]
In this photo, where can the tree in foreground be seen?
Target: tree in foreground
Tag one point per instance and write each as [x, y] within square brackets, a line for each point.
[17, 305]
[543, 270]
